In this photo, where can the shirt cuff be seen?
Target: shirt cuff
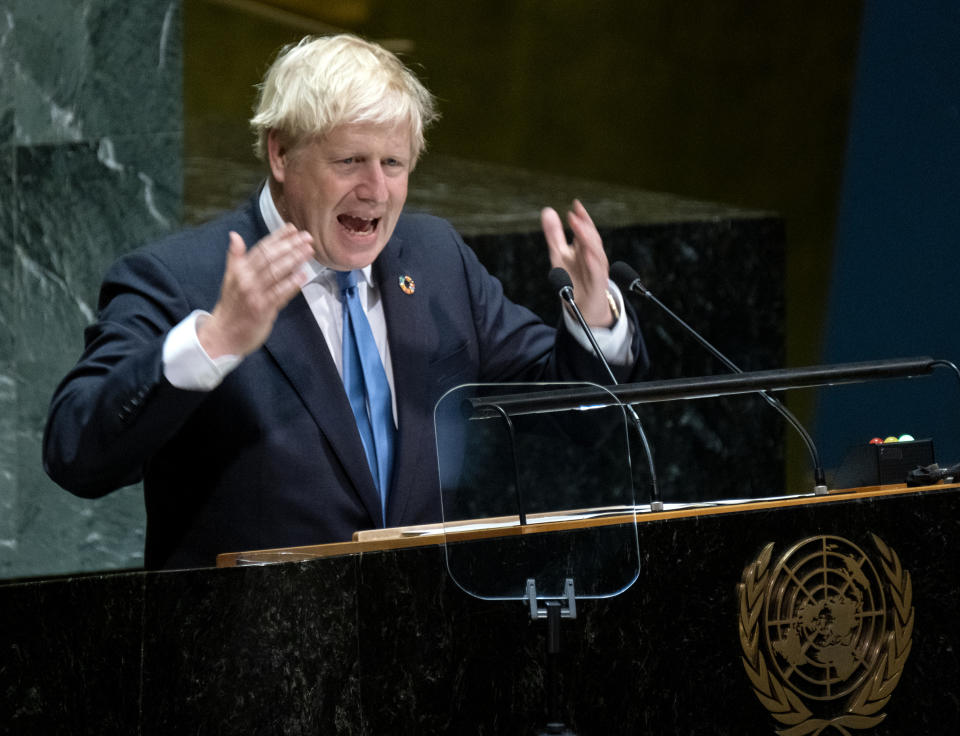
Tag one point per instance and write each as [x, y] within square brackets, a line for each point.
[186, 364]
[614, 341]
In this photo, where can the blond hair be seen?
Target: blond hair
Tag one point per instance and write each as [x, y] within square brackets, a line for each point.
[320, 83]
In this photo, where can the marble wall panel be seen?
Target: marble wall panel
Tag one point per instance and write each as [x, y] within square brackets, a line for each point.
[79, 206]
[70, 656]
[90, 68]
[8, 462]
[7, 224]
[90, 138]
[6, 79]
[8, 384]
[286, 644]
[498, 650]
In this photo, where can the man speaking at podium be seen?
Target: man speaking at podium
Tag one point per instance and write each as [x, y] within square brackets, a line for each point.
[271, 375]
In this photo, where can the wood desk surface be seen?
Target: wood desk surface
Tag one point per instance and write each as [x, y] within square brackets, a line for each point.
[433, 534]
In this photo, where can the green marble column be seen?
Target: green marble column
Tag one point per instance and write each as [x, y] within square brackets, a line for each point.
[90, 166]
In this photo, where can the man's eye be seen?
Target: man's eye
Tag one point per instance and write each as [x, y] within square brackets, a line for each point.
[348, 160]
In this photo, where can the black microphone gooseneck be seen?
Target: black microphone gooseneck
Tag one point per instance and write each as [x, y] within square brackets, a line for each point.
[560, 280]
[628, 279]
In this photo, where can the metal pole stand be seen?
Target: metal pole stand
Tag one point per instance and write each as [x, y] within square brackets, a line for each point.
[553, 611]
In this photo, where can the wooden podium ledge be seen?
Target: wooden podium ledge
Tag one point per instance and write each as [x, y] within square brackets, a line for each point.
[373, 540]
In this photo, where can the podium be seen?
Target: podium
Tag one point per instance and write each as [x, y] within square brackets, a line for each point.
[373, 637]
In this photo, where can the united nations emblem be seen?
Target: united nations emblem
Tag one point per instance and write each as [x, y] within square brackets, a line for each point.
[825, 633]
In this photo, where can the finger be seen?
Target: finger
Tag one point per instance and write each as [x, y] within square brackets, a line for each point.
[285, 289]
[281, 241]
[285, 267]
[582, 213]
[582, 226]
[236, 257]
[284, 231]
[553, 232]
[289, 262]
[589, 249]
[275, 258]
[264, 256]
[236, 248]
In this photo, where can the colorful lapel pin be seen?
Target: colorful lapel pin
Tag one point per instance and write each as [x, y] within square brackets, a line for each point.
[406, 285]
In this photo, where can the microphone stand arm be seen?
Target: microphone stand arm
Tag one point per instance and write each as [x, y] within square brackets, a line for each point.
[819, 475]
[656, 503]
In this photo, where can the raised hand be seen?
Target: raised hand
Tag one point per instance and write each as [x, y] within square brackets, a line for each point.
[257, 284]
[584, 259]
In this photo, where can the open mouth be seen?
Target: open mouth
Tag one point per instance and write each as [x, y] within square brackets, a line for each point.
[358, 225]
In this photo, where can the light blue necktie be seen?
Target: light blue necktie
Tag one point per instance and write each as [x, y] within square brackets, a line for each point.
[366, 383]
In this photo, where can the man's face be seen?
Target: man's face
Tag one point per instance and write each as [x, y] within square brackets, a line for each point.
[346, 189]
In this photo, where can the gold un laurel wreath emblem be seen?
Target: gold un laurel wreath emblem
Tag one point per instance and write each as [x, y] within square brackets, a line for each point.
[825, 635]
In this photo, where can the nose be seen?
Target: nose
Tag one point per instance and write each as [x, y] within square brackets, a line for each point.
[372, 186]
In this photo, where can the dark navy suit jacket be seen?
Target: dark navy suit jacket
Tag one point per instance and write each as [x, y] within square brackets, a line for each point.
[272, 456]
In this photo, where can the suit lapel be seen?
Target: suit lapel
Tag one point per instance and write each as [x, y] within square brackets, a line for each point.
[298, 346]
[405, 314]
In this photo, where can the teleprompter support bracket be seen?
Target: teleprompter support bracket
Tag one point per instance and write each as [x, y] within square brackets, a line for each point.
[568, 611]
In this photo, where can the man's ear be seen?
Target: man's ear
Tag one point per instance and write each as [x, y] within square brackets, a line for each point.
[277, 153]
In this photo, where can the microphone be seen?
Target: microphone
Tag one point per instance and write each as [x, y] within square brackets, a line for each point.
[560, 280]
[627, 279]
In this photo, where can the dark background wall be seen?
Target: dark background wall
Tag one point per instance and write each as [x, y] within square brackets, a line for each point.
[894, 278]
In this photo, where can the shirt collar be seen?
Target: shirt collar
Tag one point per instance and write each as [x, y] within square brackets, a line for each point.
[313, 268]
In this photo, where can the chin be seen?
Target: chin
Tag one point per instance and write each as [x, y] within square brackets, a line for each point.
[359, 259]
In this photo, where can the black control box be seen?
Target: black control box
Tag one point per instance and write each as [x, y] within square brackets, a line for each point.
[882, 464]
